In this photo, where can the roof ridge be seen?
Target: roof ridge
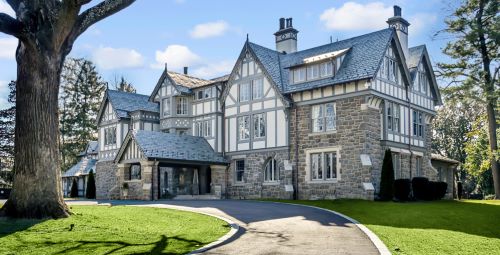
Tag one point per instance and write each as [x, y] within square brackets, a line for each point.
[193, 77]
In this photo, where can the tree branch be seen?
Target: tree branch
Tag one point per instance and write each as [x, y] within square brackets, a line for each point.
[10, 25]
[100, 12]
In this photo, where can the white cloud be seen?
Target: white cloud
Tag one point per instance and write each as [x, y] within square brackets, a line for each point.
[420, 22]
[355, 16]
[8, 48]
[210, 29]
[115, 58]
[213, 69]
[176, 56]
[5, 8]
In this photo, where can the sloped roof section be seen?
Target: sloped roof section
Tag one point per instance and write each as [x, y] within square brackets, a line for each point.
[187, 81]
[220, 79]
[91, 148]
[124, 103]
[438, 157]
[166, 146]
[415, 54]
[361, 61]
[83, 167]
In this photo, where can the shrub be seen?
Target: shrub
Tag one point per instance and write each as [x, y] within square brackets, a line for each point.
[460, 189]
[436, 190]
[420, 187]
[402, 188]
[387, 178]
[74, 189]
[90, 193]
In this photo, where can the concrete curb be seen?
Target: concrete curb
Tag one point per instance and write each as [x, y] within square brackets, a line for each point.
[381, 247]
[234, 227]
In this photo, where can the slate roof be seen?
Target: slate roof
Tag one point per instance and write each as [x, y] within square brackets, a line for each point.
[415, 54]
[91, 148]
[83, 167]
[361, 61]
[438, 157]
[159, 145]
[124, 103]
[188, 81]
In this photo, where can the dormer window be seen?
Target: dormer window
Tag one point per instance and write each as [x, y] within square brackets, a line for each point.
[313, 72]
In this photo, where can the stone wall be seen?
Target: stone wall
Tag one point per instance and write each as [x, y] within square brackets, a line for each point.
[253, 185]
[106, 180]
[357, 132]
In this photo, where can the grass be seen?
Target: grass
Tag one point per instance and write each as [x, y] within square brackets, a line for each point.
[439, 227]
[116, 230]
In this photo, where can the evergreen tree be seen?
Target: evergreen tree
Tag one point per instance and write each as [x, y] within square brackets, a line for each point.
[475, 69]
[90, 193]
[387, 178]
[74, 189]
[124, 86]
[7, 127]
[80, 98]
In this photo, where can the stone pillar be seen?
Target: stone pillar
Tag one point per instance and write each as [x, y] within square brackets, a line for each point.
[218, 180]
[149, 176]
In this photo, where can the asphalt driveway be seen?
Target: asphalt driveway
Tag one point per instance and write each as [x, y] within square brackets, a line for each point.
[275, 228]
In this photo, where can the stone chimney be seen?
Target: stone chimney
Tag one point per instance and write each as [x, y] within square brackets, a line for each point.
[401, 26]
[185, 70]
[286, 37]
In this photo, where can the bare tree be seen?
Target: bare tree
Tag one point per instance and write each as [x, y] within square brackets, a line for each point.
[47, 30]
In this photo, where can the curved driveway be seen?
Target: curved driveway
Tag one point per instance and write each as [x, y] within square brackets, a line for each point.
[275, 228]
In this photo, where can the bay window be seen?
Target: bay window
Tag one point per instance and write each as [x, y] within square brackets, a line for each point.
[182, 106]
[166, 106]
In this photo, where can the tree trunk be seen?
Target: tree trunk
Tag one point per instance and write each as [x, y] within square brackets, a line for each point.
[492, 131]
[37, 191]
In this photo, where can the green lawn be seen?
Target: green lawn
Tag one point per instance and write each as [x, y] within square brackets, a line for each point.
[112, 230]
[439, 227]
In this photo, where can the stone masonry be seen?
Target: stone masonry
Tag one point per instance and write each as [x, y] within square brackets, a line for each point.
[106, 179]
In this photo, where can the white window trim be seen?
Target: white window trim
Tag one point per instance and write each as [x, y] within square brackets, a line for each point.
[275, 165]
[308, 153]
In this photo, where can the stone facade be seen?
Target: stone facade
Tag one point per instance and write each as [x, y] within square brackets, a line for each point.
[253, 185]
[106, 180]
[357, 132]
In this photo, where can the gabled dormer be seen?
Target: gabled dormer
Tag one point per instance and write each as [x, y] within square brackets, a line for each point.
[317, 67]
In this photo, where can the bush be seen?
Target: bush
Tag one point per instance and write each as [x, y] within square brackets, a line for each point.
[420, 187]
[460, 190]
[74, 189]
[90, 193]
[402, 188]
[437, 190]
[387, 178]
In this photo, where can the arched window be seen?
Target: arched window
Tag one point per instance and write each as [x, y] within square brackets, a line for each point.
[271, 172]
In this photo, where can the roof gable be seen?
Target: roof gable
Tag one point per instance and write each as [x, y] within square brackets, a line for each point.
[171, 147]
[419, 55]
[181, 82]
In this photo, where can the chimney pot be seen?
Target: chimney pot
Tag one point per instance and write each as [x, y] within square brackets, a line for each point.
[166, 66]
[290, 22]
[185, 70]
[397, 11]
[282, 23]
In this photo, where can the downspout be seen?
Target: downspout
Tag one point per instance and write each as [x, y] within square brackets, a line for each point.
[296, 174]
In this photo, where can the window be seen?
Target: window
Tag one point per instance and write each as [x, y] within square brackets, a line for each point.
[323, 166]
[326, 69]
[323, 117]
[244, 127]
[418, 124]
[110, 136]
[108, 113]
[419, 166]
[240, 170]
[244, 92]
[259, 130]
[393, 70]
[393, 117]
[207, 128]
[182, 106]
[396, 164]
[423, 82]
[313, 72]
[271, 171]
[199, 129]
[135, 172]
[299, 75]
[208, 92]
[166, 106]
[258, 88]
[389, 116]
[200, 94]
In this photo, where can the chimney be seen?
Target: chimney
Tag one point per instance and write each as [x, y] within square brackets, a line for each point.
[185, 70]
[286, 37]
[401, 26]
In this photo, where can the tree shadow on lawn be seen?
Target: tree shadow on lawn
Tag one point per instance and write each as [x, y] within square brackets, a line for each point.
[470, 218]
[11, 225]
[119, 246]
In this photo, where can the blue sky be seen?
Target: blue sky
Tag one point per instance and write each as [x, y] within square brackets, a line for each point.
[208, 36]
